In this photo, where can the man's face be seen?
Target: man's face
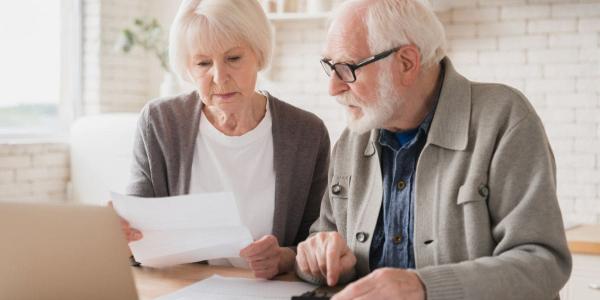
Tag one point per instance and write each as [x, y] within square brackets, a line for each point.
[372, 114]
[371, 100]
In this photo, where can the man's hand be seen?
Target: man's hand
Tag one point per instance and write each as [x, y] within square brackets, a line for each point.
[385, 283]
[267, 259]
[325, 255]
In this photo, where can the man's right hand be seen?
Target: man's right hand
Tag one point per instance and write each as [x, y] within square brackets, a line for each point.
[325, 255]
[131, 234]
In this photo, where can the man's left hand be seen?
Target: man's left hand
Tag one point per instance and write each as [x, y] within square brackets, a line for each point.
[385, 283]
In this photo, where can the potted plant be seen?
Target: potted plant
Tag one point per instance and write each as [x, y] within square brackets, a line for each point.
[148, 34]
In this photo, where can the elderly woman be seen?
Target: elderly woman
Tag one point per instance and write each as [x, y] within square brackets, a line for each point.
[227, 136]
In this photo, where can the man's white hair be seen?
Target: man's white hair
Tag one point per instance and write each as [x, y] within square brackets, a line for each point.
[216, 25]
[393, 23]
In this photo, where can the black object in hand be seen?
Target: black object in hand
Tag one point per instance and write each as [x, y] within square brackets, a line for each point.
[313, 295]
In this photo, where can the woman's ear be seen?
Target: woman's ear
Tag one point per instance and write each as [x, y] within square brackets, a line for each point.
[408, 60]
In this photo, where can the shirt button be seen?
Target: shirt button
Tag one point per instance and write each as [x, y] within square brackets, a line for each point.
[362, 237]
[401, 185]
[397, 239]
[336, 189]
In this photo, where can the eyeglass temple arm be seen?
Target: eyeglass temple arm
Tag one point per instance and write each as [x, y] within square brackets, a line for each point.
[375, 58]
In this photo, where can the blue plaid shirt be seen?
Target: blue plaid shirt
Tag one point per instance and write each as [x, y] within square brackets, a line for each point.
[392, 244]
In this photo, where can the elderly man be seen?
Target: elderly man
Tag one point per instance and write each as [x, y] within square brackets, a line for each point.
[441, 188]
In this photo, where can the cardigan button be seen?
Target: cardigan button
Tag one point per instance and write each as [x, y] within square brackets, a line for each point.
[484, 191]
[362, 237]
[336, 189]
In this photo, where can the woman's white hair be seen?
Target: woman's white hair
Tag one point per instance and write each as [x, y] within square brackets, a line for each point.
[393, 23]
[216, 25]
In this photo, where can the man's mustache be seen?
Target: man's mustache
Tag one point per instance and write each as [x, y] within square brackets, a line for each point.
[347, 99]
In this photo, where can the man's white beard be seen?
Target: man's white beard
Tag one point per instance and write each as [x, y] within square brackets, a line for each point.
[376, 114]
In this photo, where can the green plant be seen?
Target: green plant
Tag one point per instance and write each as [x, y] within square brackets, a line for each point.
[147, 34]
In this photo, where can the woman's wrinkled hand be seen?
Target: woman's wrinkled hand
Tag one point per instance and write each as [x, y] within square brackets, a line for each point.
[131, 234]
[267, 259]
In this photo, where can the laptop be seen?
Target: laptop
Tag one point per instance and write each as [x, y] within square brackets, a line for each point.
[63, 252]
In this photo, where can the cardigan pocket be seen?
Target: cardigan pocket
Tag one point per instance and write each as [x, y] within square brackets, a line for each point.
[473, 218]
[472, 192]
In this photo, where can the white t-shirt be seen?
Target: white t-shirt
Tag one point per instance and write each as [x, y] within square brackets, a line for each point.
[242, 165]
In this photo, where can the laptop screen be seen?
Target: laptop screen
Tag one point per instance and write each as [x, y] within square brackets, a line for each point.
[63, 252]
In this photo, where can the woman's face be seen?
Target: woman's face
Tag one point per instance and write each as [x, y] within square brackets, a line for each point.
[225, 79]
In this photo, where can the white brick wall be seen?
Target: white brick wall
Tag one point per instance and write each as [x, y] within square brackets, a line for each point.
[34, 172]
[550, 49]
[524, 12]
[113, 81]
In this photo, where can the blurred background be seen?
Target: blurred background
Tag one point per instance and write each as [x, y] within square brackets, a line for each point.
[76, 72]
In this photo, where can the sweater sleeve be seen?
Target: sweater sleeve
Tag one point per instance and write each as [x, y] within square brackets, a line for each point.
[326, 220]
[531, 259]
[140, 183]
[318, 186]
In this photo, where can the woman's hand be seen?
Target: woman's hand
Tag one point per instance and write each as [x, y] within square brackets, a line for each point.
[267, 259]
[131, 234]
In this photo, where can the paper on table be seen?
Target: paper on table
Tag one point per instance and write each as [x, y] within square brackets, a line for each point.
[183, 229]
[224, 288]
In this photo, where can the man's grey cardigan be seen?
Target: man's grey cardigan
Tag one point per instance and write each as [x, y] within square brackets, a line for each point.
[165, 143]
[487, 220]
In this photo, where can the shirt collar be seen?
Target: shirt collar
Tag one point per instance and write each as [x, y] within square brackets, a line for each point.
[388, 138]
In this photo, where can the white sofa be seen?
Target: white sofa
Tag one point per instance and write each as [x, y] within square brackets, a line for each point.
[101, 152]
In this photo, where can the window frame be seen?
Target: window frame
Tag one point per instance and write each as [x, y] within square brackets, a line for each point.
[71, 78]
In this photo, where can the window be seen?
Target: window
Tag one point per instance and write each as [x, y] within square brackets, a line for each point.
[36, 81]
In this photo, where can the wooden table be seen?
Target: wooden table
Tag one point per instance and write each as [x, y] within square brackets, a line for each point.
[152, 283]
[584, 243]
[584, 239]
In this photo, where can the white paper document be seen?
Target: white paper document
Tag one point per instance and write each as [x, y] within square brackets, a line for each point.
[183, 229]
[226, 288]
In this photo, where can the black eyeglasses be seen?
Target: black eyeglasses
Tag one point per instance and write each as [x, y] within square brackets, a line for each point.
[345, 71]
